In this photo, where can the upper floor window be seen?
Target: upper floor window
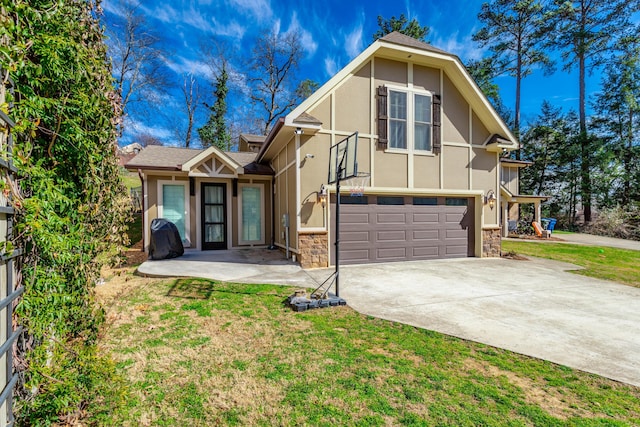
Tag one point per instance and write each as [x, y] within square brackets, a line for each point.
[410, 120]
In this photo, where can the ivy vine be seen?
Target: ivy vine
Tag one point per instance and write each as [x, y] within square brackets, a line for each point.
[74, 211]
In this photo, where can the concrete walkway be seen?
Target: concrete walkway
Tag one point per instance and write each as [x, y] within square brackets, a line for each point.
[590, 239]
[534, 307]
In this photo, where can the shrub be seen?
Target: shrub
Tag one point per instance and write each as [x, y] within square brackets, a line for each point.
[616, 222]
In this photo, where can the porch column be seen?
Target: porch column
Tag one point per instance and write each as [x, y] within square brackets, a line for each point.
[505, 218]
[538, 211]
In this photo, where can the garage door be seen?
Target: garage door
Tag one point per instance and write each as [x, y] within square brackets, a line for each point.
[401, 228]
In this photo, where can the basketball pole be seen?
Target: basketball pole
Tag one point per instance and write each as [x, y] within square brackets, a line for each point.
[337, 274]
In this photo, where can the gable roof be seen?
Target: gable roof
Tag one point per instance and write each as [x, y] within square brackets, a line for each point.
[404, 40]
[399, 47]
[162, 158]
[157, 157]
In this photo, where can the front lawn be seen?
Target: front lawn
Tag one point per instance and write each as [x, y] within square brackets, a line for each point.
[618, 265]
[201, 353]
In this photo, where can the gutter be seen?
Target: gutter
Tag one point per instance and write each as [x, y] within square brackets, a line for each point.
[267, 142]
[141, 176]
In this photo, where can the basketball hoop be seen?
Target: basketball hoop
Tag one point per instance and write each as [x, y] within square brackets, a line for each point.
[357, 183]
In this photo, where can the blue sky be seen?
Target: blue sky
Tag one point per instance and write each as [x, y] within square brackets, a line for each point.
[332, 33]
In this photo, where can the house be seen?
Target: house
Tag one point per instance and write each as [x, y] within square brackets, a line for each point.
[428, 154]
[510, 196]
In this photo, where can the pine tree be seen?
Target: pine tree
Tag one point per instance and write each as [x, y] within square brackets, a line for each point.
[618, 118]
[513, 32]
[215, 132]
[585, 31]
[402, 25]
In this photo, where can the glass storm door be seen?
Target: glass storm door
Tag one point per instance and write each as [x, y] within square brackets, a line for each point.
[173, 207]
[214, 216]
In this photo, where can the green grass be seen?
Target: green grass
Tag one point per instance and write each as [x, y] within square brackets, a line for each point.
[130, 179]
[618, 265]
[229, 354]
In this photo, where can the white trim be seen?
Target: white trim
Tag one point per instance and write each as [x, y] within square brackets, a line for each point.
[442, 105]
[310, 230]
[262, 214]
[204, 175]
[187, 206]
[297, 162]
[206, 154]
[145, 212]
[470, 154]
[411, 191]
[373, 142]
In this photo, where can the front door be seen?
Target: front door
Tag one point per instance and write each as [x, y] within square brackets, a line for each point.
[214, 216]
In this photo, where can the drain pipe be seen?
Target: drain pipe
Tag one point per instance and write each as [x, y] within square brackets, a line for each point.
[141, 176]
[272, 246]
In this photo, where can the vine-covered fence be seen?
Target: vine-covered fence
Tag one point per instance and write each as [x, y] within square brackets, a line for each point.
[10, 290]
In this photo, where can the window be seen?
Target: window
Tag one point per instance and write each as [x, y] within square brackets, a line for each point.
[354, 200]
[425, 201]
[251, 214]
[410, 120]
[173, 197]
[455, 201]
[390, 200]
[398, 120]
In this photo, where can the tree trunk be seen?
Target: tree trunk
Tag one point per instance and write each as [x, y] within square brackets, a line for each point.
[585, 152]
[516, 123]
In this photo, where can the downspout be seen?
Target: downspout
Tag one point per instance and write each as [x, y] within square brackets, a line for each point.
[273, 216]
[140, 175]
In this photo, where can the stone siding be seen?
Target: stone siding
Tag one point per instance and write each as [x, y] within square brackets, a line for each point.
[314, 250]
[491, 243]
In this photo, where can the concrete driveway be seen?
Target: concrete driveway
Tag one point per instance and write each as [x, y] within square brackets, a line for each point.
[531, 307]
[593, 240]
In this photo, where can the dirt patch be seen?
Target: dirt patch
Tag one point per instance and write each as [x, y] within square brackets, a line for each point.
[557, 404]
[514, 256]
[532, 237]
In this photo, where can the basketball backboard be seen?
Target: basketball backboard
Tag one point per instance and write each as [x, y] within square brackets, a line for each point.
[343, 163]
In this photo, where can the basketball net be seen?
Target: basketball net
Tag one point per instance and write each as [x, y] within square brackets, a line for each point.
[357, 184]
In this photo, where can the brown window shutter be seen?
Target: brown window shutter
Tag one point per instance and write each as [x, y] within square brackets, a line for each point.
[437, 143]
[383, 117]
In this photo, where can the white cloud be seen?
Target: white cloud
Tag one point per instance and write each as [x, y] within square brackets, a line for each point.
[138, 128]
[258, 9]
[353, 41]
[461, 45]
[181, 65]
[330, 66]
[113, 7]
[306, 39]
[232, 29]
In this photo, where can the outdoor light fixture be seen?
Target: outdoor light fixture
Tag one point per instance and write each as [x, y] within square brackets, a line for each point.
[309, 156]
[491, 199]
[298, 131]
[322, 195]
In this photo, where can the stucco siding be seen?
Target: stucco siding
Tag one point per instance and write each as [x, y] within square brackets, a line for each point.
[455, 113]
[456, 163]
[353, 101]
[313, 173]
[390, 72]
[480, 132]
[390, 169]
[426, 78]
[485, 179]
[426, 172]
[322, 112]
